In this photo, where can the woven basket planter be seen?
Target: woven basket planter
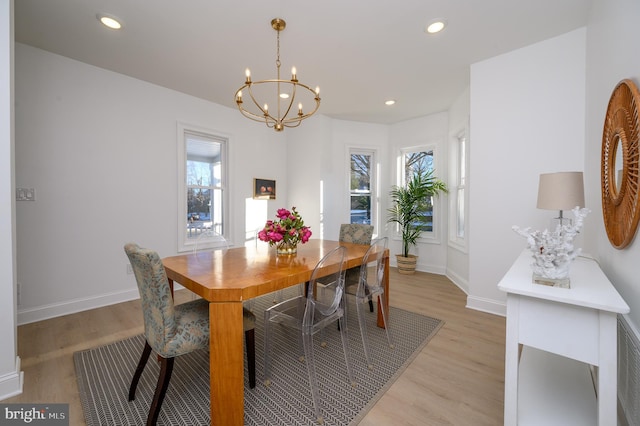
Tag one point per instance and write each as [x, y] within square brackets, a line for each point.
[406, 265]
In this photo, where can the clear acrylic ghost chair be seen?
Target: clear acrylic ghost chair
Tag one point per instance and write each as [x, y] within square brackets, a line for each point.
[209, 240]
[356, 233]
[310, 314]
[278, 294]
[371, 285]
[206, 242]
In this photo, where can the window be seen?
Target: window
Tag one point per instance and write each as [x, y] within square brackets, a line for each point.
[460, 190]
[457, 231]
[420, 160]
[202, 196]
[362, 187]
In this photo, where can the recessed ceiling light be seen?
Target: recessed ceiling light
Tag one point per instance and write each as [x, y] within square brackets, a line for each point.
[389, 102]
[110, 21]
[435, 26]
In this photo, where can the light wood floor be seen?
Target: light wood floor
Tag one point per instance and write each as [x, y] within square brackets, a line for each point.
[457, 379]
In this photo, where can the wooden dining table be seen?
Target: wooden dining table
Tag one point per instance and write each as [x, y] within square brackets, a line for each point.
[227, 278]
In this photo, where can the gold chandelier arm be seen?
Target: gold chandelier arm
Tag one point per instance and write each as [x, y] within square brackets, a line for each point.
[262, 118]
[283, 117]
[298, 118]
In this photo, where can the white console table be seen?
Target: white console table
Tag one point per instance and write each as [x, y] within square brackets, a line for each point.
[579, 323]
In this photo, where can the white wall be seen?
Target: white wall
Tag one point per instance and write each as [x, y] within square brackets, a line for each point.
[320, 153]
[353, 135]
[100, 150]
[429, 130]
[307, 150]
[612, 55]
[319, 169]
[11, 378]
[527, 117]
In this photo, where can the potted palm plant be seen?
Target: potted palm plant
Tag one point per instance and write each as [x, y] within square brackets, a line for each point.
[410, 205]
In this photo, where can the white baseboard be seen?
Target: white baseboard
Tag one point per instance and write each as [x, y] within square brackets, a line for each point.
[420, 267]
[430, 269]
[487, 305]
[11, 383]
[26, 316]
[460, 282]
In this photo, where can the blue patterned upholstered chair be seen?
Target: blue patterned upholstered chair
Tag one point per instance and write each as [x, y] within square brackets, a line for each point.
[171, 330]
[355, 233]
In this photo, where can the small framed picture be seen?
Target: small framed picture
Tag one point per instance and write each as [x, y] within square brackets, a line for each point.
[264, 189]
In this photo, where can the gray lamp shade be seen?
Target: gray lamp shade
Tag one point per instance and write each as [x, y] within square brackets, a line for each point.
[560, 191]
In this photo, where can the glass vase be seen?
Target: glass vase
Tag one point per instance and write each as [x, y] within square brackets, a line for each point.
[285, 248]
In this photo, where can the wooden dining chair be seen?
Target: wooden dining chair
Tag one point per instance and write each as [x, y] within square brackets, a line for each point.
[172, 330]
[310, 314]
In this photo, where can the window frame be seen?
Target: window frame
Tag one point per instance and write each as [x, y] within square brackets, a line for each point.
[433, 236]
[460, 242]
[373, 181]
[185, 130]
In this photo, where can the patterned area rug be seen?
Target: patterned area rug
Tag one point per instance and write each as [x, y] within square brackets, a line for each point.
[104, 375]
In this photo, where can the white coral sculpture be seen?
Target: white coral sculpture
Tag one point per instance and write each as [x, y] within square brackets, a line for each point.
[553, 252]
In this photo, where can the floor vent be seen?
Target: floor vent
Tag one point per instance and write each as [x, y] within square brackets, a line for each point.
[629, 371]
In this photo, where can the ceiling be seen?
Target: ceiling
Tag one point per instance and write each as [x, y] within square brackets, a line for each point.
[359, 52]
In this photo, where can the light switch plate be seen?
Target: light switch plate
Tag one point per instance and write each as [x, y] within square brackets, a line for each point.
[25, 194]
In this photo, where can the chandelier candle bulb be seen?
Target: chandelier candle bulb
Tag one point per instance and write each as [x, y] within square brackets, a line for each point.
[239, 98]
[247, 72]
[299, 109]
[293, 74]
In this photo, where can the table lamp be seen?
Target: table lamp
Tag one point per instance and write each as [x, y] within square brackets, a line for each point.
[560, 191]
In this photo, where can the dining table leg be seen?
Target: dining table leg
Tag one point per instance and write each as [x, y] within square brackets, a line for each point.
[226, 363]
[385, 283]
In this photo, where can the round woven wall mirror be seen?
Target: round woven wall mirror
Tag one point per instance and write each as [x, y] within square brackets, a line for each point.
[619, 172]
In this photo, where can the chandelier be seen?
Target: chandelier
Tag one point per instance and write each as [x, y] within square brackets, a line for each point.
[286, 93]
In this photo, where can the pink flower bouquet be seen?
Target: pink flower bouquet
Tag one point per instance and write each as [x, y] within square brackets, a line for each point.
[289, 228]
